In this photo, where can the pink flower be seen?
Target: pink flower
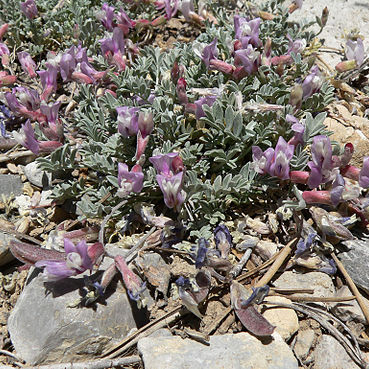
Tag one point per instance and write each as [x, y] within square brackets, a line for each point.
[27, 63]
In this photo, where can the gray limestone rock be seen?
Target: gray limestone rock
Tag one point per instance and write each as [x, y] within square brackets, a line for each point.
[10, 184]
[320, 282]
[43, 329]
[231, 351]
[330, 354]
[5, 254]
[356, 262]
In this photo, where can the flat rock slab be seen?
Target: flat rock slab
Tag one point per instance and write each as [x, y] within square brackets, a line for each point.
[356, 262]
[329, 354]
[10, 184]
[229, 351]
[320, 282]
[43, 329]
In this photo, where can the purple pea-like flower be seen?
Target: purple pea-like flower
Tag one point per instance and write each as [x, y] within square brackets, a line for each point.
[145, 123]
[124, 21]
[171, 187]
[132, 283]
[48, 80]
[167, 164]
[298, 137]
[129, 181]
[51, 111]
[106, 16]
[29, 9]
[202, 250]
[280, 166]
[338, 187]
[223, 240]
[275, 162]
[355, 51]
[77, 261]
[4, 49]
[247, 31]
[209, 53]
[305, 243]
[4, 54]
[312, 82]
[27, 63]
[67, 64]
[27, 137]
[297, 46]
[28, 97]
[364, 173]
[115, 44]
[207, 100]
[170, 178]
[248, 58]
[171, 7]
[321, 166]
[127, 121]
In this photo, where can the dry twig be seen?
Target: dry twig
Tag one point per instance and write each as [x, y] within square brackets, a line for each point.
[96, 364]
[353, 287]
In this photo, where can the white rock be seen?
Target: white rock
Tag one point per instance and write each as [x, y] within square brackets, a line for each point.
[285, 320]
[229, 351]
[304, 341]
[320, 282]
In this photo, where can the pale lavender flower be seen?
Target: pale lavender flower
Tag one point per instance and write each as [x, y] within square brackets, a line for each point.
[51, 111]
[274, 162]
[4, 54]
[355, 51]
[187, 9]
[297, 46]
[170, 178]
[167, 164]
[106, 16]
[247, 31]
[210, 52]
[27, 137]
[27, 63]
[364, 173]
[48, 80]
[280, 166]
[171, 187]
[127, 121]
[145, 123]
[312, 82]
[77, 261]
[171, 7]
[207, 100]
[68, 64]
[321, 166]
[28, 97]
[248, 58]
[124, 21]
[29, 9]
[129, 181]
[115, 44]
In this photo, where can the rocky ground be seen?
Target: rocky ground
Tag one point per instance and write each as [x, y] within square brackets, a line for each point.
[320, 319]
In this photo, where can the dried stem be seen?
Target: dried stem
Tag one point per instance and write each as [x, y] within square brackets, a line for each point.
[312, 313]
[286, 251]
[353, 287]
[146, 330]
[96, 364]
